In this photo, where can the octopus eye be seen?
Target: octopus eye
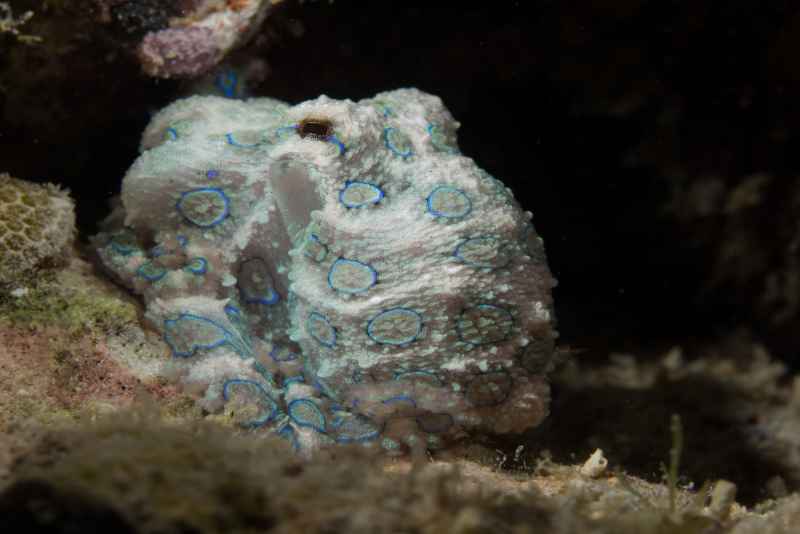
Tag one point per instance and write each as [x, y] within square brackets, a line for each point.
[315, 128]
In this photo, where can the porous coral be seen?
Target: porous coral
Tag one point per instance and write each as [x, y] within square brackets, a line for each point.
[337, 271]
[37, 226]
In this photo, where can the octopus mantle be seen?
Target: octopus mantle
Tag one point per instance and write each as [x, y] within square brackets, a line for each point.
[336, 272]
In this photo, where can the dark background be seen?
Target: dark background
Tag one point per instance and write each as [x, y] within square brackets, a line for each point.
[599, 115]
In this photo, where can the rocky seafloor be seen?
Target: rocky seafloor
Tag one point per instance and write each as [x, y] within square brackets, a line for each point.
[692, 431]
[93, 439]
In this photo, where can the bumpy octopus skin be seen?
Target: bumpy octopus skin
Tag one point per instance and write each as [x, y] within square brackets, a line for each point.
[336, 272]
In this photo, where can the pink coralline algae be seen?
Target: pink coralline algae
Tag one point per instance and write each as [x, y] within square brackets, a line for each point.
[186, 38]
[336, 272]
[184, 52]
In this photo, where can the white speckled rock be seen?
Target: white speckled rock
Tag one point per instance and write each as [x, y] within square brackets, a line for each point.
[337, 271]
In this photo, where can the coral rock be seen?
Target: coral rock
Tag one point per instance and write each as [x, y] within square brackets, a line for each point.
[337, 271]
[37, 226]
[198, 41]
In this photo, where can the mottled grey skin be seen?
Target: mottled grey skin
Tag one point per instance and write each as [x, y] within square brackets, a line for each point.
[364, 284]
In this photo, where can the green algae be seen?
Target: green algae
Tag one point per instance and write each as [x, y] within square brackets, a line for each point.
[68, 300]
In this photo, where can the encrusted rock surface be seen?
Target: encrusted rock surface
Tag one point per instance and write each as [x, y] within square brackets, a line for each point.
[199, 38]
[37, 226]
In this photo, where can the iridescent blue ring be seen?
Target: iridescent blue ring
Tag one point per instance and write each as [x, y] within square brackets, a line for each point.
[213, 190]
[157, 273]
[390, 143]
[224, 338]
[446, 189]
[377, 192]
[271, 404]
[330, 339]
[368, 269]
[386, 315]
[197, 266]
[318, 425]
[233, 142]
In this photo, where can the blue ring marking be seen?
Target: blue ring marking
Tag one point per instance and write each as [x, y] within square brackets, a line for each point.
[182, 240]
[391, 144]
[123, 249]
[318, 421]
[212, 190]
[368, 430]
[197, 266]
[300, 379]
[378, 193]
[459, 252]
[387, 315]
[157, 251]
[330, 340]
[271, 404]
[227, 82]
[212, 173]
[335, 140]
[340, 263]
[323, 248]
[282, 354]
[171, 134]
[400, 398]
[443, 189]
[233, 312]
[271, 297]
[438, 139]
[280, 132]
[233, 142]
[433, 427]
[151, 272]
[225, 335]
[462, 325]
[406, 375]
